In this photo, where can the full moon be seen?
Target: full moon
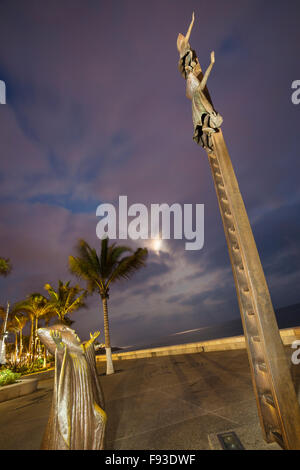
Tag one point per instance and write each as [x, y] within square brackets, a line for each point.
[156, 245]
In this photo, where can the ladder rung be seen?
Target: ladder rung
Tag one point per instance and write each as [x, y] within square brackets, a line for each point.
[256, 339]
[278, 438]
[262, 367]
[269, 399]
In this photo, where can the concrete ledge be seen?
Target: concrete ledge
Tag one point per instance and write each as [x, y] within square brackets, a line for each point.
[222, 344]
[18, 389]
[44, 375]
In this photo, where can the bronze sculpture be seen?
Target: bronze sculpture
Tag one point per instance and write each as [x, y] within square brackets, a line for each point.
[205, 118]
[277, 404]
[77, 419]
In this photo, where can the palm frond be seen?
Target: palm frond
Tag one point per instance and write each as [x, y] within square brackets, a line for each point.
[34, 306]
[129, 265]
[109, 266]
[66, 299]
[5, 266]
[83, 270]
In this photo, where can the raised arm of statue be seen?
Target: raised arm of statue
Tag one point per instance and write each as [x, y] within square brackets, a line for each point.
[57, 338]
[207, 73]
[183, 41]
[90, 343]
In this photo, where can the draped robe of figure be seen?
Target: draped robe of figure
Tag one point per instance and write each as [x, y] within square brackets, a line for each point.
[77, 418]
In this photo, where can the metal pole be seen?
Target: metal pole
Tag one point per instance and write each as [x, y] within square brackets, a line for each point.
[276, 398]
[277, 403]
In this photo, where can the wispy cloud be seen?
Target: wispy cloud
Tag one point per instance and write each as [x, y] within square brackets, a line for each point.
[96, 109]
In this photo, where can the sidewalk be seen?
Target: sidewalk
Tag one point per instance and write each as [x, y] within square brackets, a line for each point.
[171, 402]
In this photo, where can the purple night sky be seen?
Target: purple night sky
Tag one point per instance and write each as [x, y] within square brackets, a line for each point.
[96, 108]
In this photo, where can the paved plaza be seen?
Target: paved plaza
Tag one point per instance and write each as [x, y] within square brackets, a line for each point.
[172, 402]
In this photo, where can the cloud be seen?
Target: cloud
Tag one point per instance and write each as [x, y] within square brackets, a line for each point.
[97, 109]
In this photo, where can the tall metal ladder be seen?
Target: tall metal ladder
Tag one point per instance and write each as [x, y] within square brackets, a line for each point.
[276, 398]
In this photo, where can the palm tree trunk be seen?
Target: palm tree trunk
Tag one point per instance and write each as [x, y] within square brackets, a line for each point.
[21, 343]
[47, 321]
[36, 339]
[31, 340]
[16, 346]
[109, 362]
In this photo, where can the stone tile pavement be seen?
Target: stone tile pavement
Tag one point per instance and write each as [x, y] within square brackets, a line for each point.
[163, 403]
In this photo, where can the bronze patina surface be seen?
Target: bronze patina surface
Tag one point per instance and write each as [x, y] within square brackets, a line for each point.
[205, 118]
[276, 398]
[77, 418]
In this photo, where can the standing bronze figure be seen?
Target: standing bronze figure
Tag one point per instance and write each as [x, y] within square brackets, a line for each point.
[77, 419]
[277, 403]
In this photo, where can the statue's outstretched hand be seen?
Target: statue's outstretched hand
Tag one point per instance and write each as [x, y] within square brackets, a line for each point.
[89, 343]
[183, 41]
[95, 335]
[56, 336]
[212, 57]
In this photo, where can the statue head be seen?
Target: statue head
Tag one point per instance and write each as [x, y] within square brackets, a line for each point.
[68, 338]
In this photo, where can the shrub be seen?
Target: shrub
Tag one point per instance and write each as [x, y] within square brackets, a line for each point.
[8, 377]
[25, 368]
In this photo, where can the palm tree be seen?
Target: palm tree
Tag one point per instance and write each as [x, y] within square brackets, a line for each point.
[101, 270]
[34, 306]
[21, 321]
[2, 316]
[66, 299]
[5, 269]
[12, 327]
[5, 266]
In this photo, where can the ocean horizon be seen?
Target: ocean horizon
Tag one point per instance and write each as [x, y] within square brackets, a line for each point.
[287, 317]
